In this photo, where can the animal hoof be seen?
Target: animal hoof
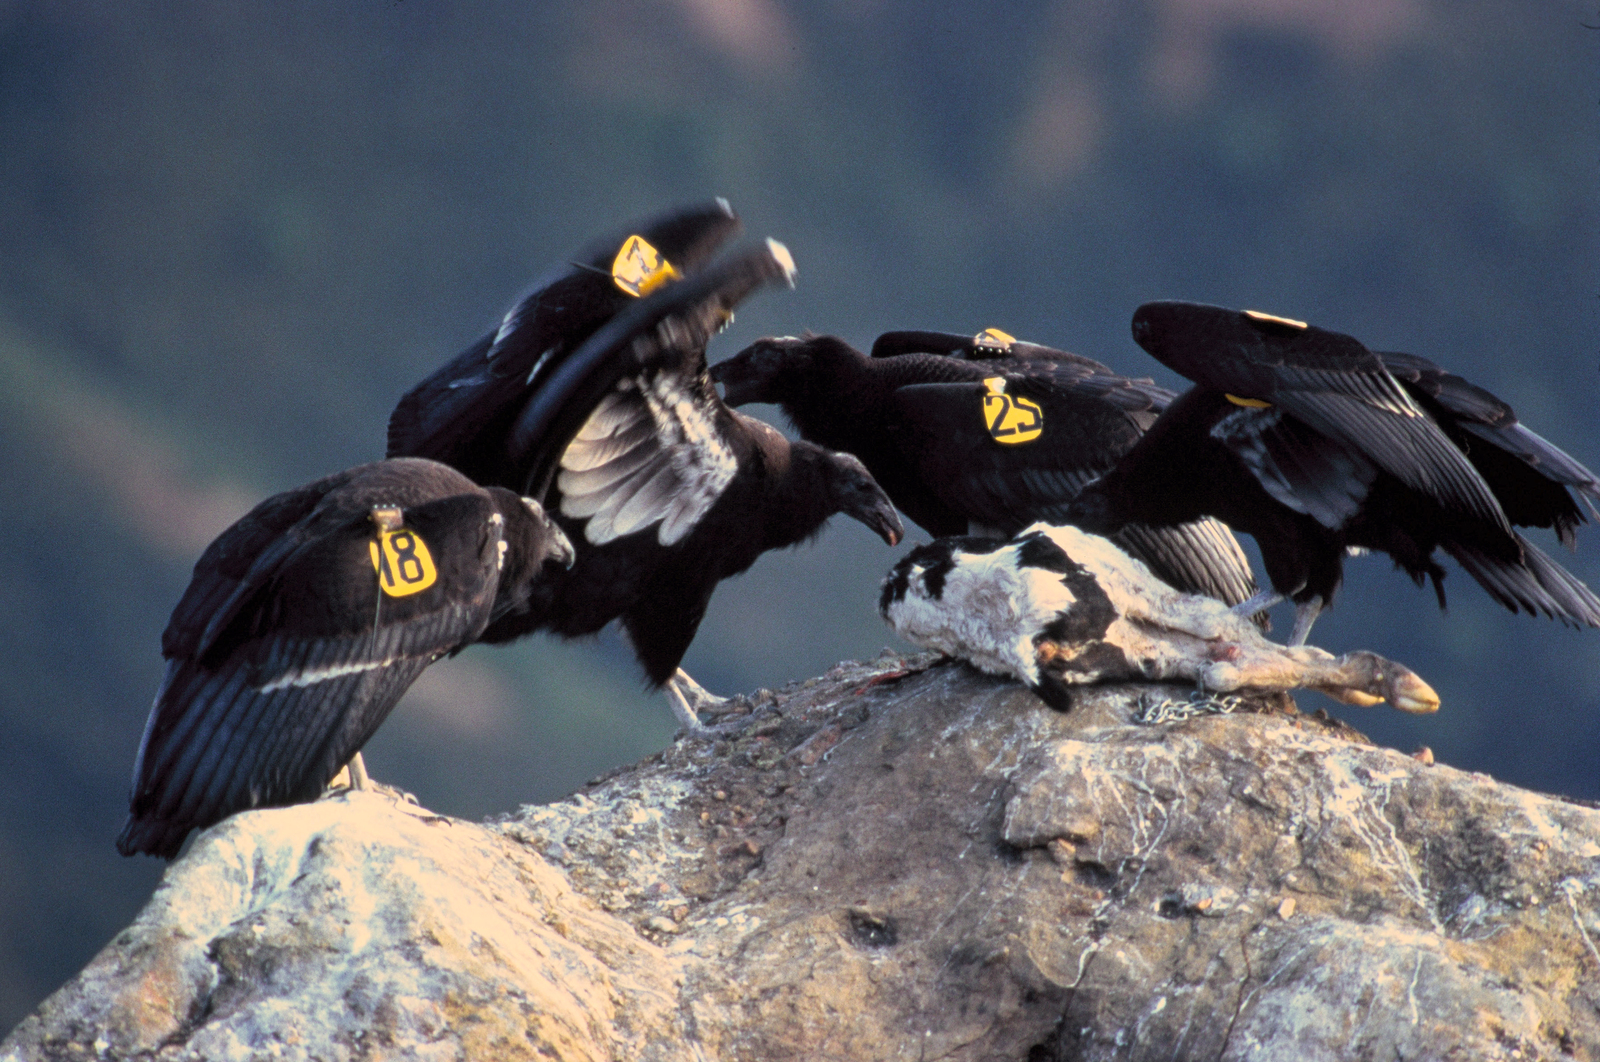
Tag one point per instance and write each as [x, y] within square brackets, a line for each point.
[1409, 693]
[1359, 698]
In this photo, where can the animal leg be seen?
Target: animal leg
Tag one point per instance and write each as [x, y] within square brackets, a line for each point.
[1355, 678]
[352, 775]
[1305, 614]
[697, 695]
[1260, 600]
[688, 699]
[1366, 678]
[687, 719]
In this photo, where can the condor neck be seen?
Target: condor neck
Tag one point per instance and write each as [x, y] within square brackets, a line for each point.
[1168, 474]
[799, 497]
[836, 396]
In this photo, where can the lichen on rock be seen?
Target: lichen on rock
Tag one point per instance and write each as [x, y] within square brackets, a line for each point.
[901, 859]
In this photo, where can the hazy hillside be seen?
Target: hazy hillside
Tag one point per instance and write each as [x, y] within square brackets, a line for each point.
[232, 235]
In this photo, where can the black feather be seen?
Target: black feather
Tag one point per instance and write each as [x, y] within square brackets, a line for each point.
[302, 655]
[663, 489]
[917, 420]
[1312, 443]
[463, 413]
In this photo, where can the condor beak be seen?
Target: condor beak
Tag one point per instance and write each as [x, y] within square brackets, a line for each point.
[739, 383]
[881, 517]
[559, 548]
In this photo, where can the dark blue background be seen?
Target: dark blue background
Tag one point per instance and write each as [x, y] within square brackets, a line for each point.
[231, 235]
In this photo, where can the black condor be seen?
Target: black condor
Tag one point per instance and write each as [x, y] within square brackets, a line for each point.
[961, 448]
[464, 412]
[1316, 445]
[664, 490]
[307, 620]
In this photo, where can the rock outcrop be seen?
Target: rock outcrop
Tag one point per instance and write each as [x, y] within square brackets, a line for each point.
[930, 865]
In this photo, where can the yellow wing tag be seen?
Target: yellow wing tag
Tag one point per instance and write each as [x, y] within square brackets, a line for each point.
[639, 268]
[1248, 403]
[1009, 418]
[403, 563]
[1270, 318]
[993, 339]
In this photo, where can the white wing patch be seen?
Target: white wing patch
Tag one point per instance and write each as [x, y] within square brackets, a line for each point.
[508, 324]
[650, 452]
[312, 676]
[544, 359]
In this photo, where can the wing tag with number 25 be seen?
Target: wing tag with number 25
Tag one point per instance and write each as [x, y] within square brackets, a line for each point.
[1011, 419]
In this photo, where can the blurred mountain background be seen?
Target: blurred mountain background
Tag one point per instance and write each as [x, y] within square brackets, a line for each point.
[232, 235]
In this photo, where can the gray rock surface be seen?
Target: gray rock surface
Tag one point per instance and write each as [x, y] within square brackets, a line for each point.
[929, 866]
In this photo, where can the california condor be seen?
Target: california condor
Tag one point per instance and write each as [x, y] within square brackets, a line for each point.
[306, 621]
[1056, 607]
[664, 490]
[992, 344]
[464, 412]
[1315, 445]
[958, 447]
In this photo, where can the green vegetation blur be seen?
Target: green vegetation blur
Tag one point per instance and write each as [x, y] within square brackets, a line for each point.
[231, 235]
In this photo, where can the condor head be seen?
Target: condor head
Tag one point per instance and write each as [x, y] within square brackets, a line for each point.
[774, 369]
[853, 492]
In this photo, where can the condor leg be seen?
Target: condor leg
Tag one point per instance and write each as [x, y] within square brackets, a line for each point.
[352, 775]
[688, 699]
[1305, 614]
[1260, 601]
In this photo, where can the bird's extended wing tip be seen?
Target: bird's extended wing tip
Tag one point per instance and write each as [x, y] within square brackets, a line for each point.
[780, 254]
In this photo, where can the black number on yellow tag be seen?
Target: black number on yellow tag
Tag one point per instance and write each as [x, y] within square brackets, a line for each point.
[639, 268]
[403, 563]
[1010, 419]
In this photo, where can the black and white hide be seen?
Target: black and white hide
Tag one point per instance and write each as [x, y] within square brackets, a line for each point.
[304, 624]
[1056, 607]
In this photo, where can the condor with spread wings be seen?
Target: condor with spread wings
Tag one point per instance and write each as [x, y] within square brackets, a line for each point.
[463, 414]
[1313, 444]
[663, 489]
